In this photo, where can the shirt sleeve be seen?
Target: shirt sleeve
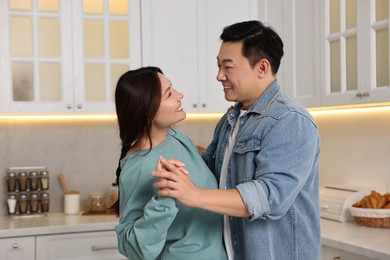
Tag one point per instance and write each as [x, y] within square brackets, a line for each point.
[284, 162]
[142, 235]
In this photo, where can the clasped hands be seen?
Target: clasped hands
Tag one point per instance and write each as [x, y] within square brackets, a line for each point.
[173, 181]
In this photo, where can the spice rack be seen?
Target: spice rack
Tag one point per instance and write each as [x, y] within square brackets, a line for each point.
[27, 191]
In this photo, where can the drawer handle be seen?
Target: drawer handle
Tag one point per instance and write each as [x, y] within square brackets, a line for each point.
[98, 248]
[15, 246]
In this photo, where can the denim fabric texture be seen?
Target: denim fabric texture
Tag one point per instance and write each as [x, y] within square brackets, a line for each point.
[274, 166]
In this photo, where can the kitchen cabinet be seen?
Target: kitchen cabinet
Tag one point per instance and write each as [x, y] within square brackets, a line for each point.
[18, 248]
[87, 245]
[329, 253]
[65, 56]
[336, 52]
[355, 52]
[297, 23]
[184, 42]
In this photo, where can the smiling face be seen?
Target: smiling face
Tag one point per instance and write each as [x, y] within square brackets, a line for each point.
[241, 82]
[170, 111]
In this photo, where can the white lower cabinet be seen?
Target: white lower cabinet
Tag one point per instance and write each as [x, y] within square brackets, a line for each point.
[330, 253]
[88, 245]
[17, 248]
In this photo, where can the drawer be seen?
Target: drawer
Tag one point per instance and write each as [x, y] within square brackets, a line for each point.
[88, 245]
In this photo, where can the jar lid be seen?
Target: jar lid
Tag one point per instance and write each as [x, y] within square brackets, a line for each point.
[22, 196]
[34, 196]
[22, 174]
[32, 174]
[11, 174]
[44, 173]
[44, 195]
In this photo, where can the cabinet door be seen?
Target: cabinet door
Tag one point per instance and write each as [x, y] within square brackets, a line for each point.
[169, 41]
[355, 52]
[184, 42]
[297, 23]
[35, 66]
[213, 16]
[89, 245]
[19, 248]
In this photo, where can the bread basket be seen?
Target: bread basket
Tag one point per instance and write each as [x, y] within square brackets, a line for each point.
[371, 217]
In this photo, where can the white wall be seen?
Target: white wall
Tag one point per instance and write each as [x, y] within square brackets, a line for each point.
[355, 149]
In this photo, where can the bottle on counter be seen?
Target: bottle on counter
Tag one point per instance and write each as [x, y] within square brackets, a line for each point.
[22, 181]
[33, 180]
[34, 203]
[11, 181]
[45, 202]
[112, 194]
[23, 204]
[44, 177]
[11, 203]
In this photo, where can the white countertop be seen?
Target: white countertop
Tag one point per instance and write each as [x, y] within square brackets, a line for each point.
[370, 242]
[55, 223]
[367, 241]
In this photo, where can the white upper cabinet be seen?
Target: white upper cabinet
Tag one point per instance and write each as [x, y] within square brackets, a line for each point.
[65, 56]
[355, 49]
[182, 38]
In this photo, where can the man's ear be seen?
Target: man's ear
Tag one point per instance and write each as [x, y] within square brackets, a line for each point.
[263, 67]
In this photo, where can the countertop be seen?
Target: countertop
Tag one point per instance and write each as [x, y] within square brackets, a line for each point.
[366, 241]
[55, 223]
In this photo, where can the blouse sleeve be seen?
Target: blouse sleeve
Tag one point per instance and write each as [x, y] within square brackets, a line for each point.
[142, 234]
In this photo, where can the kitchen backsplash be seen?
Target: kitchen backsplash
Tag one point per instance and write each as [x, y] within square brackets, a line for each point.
[355, 149]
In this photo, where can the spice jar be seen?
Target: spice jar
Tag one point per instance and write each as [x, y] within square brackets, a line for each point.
[33, 180]
[23, 204]
[11, 181]
[96, 202]
[22, 181]
[11, 203]
[45, 202]
[44, 177]
[34, 203]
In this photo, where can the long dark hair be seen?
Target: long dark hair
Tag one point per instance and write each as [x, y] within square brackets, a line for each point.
[137, 99]
[259, 42]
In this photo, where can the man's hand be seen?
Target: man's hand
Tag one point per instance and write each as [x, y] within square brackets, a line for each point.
[173, 183]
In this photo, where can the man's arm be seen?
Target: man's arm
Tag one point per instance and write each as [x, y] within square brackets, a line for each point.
[173, 183]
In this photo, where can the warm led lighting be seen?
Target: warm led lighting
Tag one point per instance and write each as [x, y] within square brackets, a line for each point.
[59, 117]
[375, 107]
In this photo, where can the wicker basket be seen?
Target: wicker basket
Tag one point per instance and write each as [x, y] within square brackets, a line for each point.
[371, 217]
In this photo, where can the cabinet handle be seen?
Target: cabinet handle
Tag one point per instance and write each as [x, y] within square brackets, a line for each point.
[362, 95]
[194, 105]
[203, 105]
[69, 106]
[98, 248]
[336, 258]
[79, 106]
[15, 246]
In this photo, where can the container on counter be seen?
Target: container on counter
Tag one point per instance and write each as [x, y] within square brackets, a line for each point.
[33, 180]
[22, 181]
[96, 202]
[34, 203]
[11, 203]
[23, 203]
[45, 202]
[44, 177]
[11, 181]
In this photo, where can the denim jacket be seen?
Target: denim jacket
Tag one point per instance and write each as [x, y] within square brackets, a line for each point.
[274, 166]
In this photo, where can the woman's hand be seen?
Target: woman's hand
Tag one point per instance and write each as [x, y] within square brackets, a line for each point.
[173, 183]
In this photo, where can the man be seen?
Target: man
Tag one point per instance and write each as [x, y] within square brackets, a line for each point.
[264, 153]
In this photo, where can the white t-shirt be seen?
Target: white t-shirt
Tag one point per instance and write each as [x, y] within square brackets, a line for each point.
[222, 184]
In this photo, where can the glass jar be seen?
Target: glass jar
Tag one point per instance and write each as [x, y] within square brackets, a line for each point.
[11, 203]
[34, 203]
[96, 203]
[44, 177]
[23, 203]
[22, 181]
[33, 180]
[11, 181]
[45, 202]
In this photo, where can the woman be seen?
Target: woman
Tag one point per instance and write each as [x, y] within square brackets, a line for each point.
[153, 227]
